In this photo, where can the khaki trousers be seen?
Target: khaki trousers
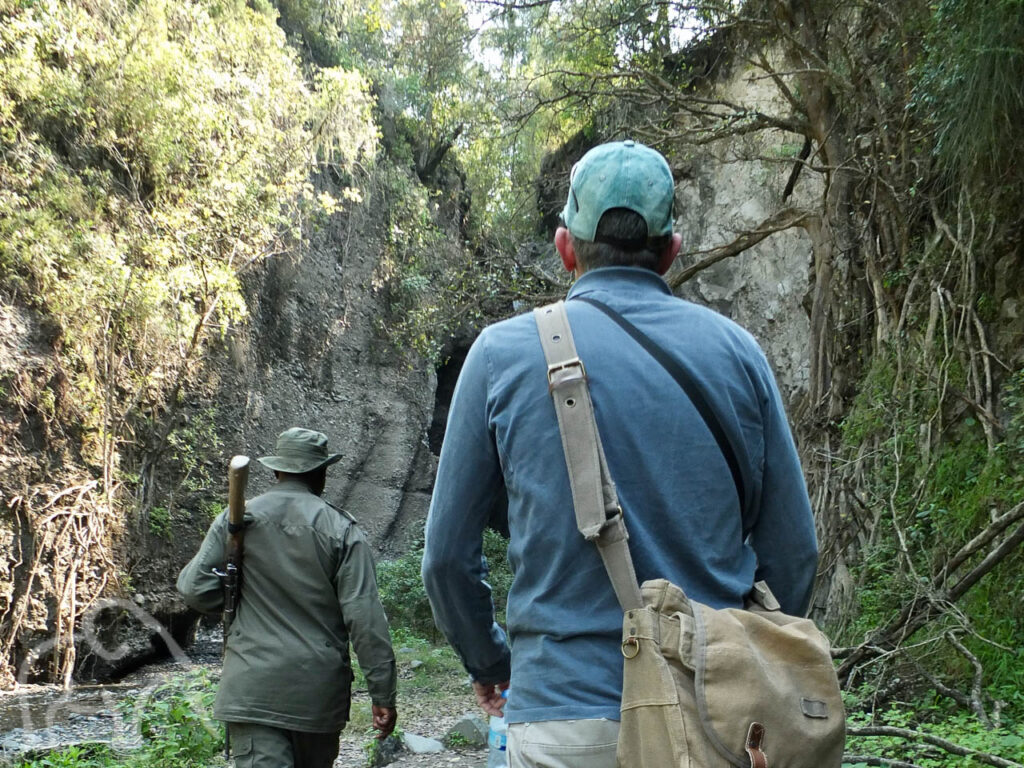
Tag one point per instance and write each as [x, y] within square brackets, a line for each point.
[260, 746]
[563, 744]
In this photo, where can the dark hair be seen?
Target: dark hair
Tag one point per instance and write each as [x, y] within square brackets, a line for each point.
[621, 241]
[312, 479]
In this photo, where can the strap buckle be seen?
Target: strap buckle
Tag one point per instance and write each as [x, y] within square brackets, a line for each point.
[630, 648]
[555, 368]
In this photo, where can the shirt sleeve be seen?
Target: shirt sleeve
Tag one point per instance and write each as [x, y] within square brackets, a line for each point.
[468, 481]
[364, 618]
[783, 534]
[198, 584]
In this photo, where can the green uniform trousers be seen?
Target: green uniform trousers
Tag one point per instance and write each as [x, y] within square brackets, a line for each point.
[261, 746]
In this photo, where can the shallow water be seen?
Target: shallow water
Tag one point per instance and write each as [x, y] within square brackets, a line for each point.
[44, 717]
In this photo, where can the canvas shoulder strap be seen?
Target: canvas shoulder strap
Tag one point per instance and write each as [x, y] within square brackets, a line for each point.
[598, 514]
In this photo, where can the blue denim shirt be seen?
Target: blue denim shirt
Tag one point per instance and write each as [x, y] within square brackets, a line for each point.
[680, 502]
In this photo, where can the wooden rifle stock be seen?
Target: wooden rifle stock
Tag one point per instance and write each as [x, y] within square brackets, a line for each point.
[238, 476]
[231, 576]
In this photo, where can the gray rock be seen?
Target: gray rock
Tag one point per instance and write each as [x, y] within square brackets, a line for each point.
[387, 752]
[470, 729]
[421, 745]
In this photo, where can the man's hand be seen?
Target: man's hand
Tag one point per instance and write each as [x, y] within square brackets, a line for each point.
[384, 719]
[488, 696]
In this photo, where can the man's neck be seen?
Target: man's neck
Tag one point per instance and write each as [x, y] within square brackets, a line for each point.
[294, 481]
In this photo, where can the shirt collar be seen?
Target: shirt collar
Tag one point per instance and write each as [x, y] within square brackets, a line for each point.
[617, 279]
[291, 485]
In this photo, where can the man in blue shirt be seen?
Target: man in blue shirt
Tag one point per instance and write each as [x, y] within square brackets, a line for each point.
[686, 521]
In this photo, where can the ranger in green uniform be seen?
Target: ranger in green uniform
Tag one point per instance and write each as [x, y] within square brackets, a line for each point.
[308, 590]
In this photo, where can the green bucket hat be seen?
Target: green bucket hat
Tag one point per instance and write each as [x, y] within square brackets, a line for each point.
[300, 450]
[620, 174]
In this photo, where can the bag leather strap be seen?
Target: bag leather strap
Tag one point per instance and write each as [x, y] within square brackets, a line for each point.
[598, 514]
[689, 385]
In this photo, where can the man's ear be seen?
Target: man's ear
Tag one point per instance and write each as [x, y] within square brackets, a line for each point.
[671, 251]
[563, 244]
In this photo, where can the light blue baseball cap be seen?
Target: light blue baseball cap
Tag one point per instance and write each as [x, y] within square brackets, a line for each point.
[620, 174]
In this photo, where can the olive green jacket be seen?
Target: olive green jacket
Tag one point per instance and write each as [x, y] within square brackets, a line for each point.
[308, 590]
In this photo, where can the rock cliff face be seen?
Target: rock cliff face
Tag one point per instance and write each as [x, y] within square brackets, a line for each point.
[313, 352]
[313, 355]
[764, 288]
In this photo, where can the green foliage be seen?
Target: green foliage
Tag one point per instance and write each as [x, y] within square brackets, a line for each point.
[870, 411]
[191, 445]
[148, 152]
[402, 594]
[210, 509]
[414, 51]
[160, 522]
[971, 88]
[79, 756]
[1013, 406]
[455, 740]
[177, 725]
[935, 493]
[432, 667]
[405, 600]
[433, 286]
[931, 719]
[380, 753]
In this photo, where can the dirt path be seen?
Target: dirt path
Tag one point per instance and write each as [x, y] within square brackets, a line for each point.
[429, 713]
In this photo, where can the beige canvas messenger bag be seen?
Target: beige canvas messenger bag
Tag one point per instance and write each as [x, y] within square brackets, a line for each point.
[702, 687]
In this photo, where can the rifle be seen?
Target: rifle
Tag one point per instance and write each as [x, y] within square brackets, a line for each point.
[231, 576]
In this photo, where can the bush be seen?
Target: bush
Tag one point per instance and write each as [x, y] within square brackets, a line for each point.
[405, 599]
[176, 723]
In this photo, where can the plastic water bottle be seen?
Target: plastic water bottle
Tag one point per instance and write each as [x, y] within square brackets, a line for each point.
[497, 740]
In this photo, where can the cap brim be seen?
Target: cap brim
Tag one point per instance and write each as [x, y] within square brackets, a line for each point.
[296, 466]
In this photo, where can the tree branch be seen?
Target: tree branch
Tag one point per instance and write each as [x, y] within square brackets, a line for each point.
[921, 609]
[787, 218]
[997, 526]
[935, 741]
[875, 760]
[976, 701]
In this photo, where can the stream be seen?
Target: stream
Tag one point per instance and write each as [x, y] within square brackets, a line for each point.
[36, 718]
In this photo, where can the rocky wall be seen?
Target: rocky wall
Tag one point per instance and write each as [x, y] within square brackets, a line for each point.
[731, 188]
[314, 353]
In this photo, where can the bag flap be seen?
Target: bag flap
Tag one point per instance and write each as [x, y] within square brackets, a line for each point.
[771, 669]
